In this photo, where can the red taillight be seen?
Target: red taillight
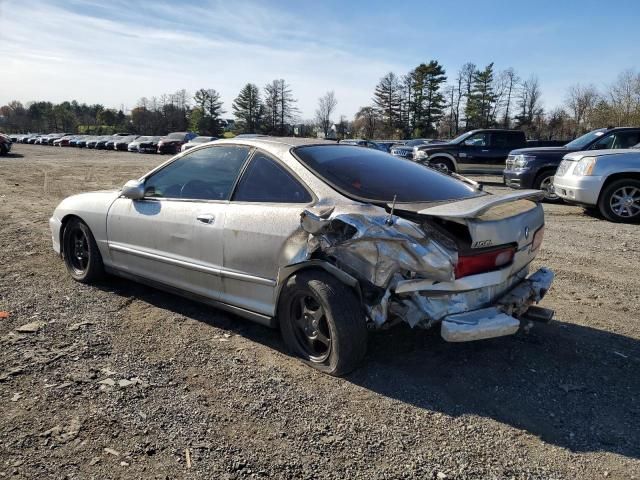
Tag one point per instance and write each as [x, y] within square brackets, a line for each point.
[483, 262]
[537, 239]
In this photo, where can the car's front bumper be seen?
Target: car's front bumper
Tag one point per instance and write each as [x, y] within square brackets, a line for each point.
[55, 225]
[519, 178]
[583, 190]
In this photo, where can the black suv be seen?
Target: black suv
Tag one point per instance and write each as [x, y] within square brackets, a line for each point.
[477, 151]
[535, 167]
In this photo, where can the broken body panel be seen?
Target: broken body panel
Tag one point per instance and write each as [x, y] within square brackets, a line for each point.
[407, 265]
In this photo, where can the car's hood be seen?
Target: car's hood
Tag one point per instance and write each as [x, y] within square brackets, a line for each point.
[540, 151]
[437, 147]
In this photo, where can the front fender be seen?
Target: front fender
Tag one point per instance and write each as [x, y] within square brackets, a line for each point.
[92, 209]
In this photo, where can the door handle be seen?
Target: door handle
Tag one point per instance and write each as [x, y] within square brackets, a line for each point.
[485, 151]
[206, 218]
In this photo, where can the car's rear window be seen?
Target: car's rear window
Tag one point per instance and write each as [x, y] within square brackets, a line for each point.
[373, 175]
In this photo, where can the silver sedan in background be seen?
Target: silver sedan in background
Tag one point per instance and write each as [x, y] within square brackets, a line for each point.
[321, 239]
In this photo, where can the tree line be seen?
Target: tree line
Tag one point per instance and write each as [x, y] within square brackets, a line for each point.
[424, 102]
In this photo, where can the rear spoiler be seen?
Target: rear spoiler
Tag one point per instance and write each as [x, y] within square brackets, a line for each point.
[474, 207]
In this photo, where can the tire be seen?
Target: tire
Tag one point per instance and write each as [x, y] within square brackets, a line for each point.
[313, 305]
[81, 255]
[620, 201]
[543, 182]
[443, 164]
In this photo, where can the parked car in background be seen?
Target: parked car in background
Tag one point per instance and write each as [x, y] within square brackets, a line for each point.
[478, 151]
[407, 149]
[608, 180]
[194, 142]
[536, 167]
[300, 234]
[63, 141]
[91, 142]
[362, 143]
[33, 138]
[173, 142]
[83, 142]
[149, 146]
[5, 144]
[76, 140]
[101, 143]
[122, 143]
[109, 144]
[385, 145]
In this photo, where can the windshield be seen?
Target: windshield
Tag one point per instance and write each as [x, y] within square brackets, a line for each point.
[176, 136]
[585, 139]
[372, 175]
[461, 138]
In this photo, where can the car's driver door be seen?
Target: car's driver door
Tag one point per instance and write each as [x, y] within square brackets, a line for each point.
[174, 234]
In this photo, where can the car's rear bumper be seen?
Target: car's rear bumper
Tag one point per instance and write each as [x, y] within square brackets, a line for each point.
[582, 190]
[503, 316]
[519, 178]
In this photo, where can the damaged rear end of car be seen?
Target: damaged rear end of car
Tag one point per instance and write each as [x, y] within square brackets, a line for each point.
[462, 264]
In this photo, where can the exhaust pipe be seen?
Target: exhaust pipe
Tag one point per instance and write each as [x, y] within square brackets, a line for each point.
[538, 314]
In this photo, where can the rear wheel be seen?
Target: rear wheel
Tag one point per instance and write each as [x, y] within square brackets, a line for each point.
[81, 255]
[544, 182]
[620, 201]
[322, 322]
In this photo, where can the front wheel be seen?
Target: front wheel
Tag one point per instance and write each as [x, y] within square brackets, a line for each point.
[81, 255]
[443, 164]
[322, 322]
[620, 201]
[544, 182]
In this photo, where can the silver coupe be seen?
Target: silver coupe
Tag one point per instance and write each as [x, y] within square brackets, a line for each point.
[322, 240]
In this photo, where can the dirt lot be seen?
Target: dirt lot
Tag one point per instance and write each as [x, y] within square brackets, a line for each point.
[562, 401]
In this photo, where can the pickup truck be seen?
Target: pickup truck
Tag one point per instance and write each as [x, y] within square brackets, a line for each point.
[535, 167]
[477, 151]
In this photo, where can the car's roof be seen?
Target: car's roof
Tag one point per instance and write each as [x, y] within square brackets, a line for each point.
[278, 141]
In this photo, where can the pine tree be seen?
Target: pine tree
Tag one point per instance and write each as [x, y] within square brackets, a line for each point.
[480, 102]
[280, 107]
[210, 105]
[387, 98]
[248, 109]
[428, 102]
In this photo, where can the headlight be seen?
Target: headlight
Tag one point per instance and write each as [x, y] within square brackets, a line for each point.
[419, 153]
[585, 166]
[521, 161]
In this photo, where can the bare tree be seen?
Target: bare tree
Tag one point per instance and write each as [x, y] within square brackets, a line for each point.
[511, 81]
[367, 120]
[467, 73]
[580, 101]
[326, 106]
[624, 97]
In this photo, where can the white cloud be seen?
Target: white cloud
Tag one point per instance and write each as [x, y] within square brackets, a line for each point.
[56, 53]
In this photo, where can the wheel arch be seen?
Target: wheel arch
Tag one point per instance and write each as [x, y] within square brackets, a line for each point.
[448, 156]
[285, 273]
[614, 177]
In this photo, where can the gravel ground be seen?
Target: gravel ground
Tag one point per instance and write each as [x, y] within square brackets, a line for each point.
[123, 381]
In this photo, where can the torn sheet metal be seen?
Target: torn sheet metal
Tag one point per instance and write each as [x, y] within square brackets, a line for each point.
[376, 250]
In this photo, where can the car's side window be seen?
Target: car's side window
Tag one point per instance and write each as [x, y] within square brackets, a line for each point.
[500, 140]
[477, 140]
[204, 174]
[626, 139]
[265, 180]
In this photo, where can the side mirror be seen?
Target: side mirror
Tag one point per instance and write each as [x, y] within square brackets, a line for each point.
[133, 189]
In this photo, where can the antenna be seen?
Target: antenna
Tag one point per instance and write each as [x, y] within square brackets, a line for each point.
[389, 220]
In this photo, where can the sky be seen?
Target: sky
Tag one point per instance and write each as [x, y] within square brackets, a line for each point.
[115, 51]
